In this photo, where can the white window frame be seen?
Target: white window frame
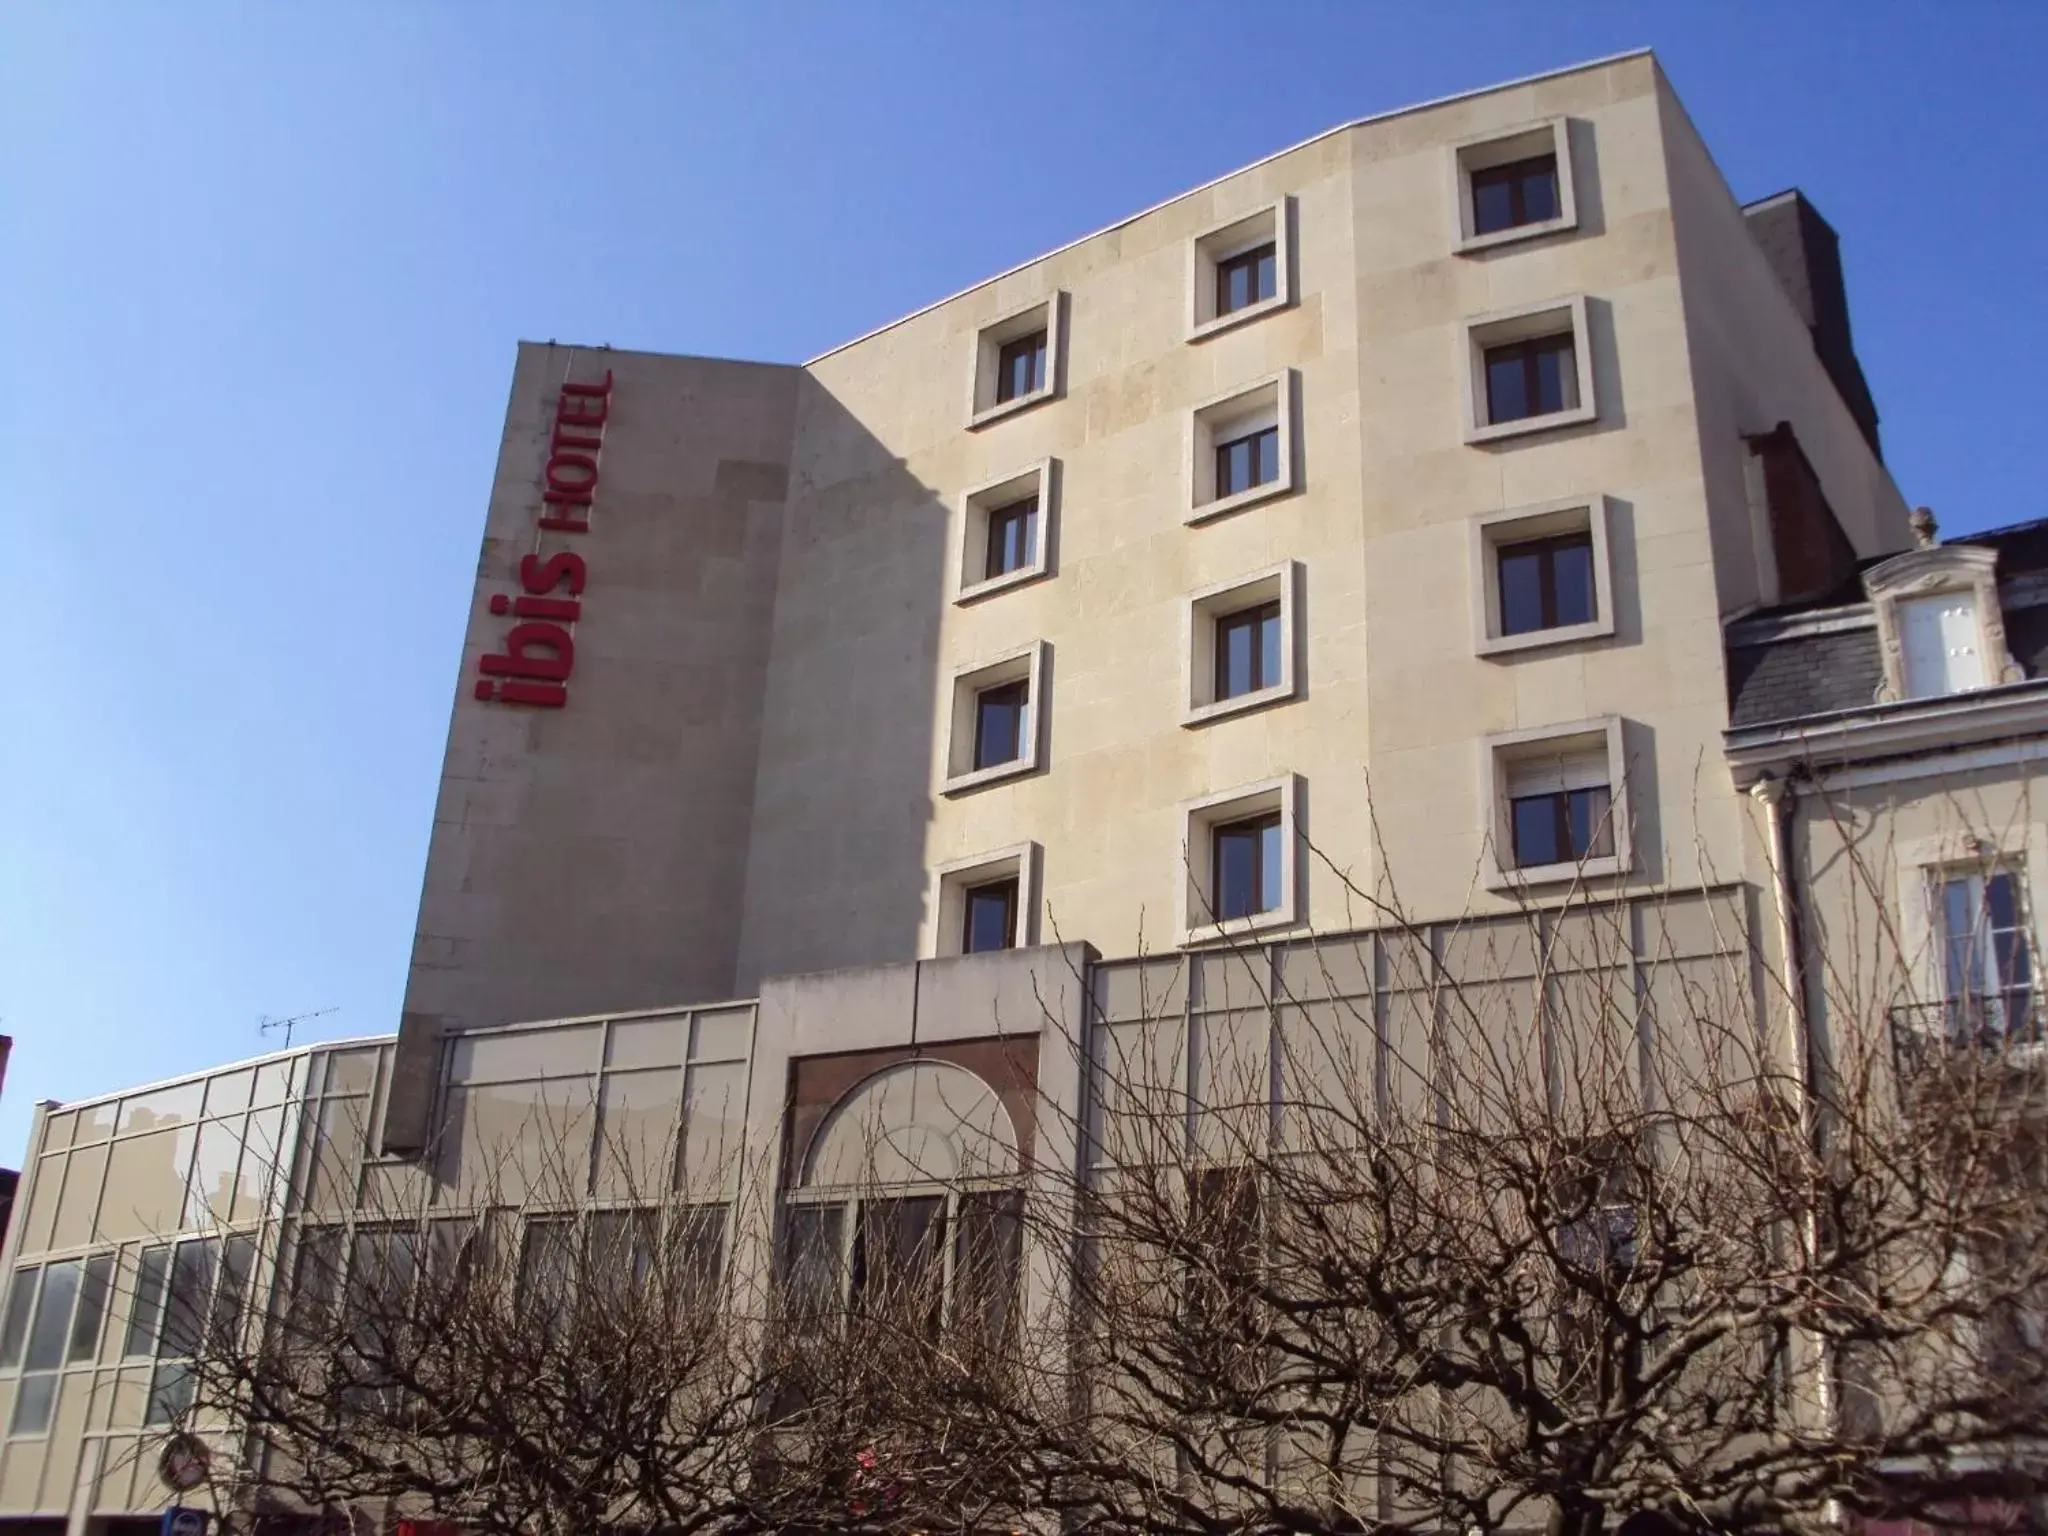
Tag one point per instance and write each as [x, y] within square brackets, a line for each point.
[1199, 615]
[1527, 322]
[1923, 864]
[1025, 664]
[1493, 531]
[971, 546]
[1503, 147]
[1217, 244]
[1222, 418]
[1502, 752]
[1044, 314]
[952, 881]
[1199, 820]
[1947, 569]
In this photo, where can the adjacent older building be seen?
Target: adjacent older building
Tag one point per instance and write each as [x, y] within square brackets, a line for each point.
[1332, 560]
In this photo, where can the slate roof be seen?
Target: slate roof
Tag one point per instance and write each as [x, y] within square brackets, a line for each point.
[1815, 657]
[1805, 675]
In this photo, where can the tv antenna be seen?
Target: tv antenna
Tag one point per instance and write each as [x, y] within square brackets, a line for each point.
[265, 1023]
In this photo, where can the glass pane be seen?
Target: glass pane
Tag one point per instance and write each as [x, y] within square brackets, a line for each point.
[1964, 965]
[1539, 191]
[1507, 394]
[1535, 830]
[989, 909]
[144, 1316]
[92, 1308]
[1573, 568]
[1269, 867]
[1265, 283]
[1233, 468]
[811, 1261]
[317, 1276]
[192, 1266]
[21, 1301]
[546, 1260]
[999, 714]
[1237, 860]
[1269, 648]
[32, 1406]
[1234, 636]
[170, 1394]
[987, 1257]
[1557, 376]
[1267, 447]
[1521, 591]
[899, 1261]
[46, 1340]
[237, 1260]
[1492, 204]
[1592, 828]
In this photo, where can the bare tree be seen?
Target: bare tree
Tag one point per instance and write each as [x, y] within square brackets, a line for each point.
[1548, 1219]
[1551, 1228]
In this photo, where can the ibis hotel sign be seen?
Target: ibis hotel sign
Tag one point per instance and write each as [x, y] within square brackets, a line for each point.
[537, 652]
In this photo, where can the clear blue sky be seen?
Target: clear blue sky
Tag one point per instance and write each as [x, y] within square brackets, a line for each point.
[262, 268]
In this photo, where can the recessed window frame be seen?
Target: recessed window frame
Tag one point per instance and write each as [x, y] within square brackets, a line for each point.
[1200, 613]
[1509, 754]
[978, 506]
[1200, 820]
[1024, 665]
[1493, 531]
[1220, 243]
[1488, 151]
[952, 881]
[1047, 315]
[1528, 322]
[1229, 417]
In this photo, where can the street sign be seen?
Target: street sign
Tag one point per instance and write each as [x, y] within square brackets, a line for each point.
[183, 1466]
[184, 1522]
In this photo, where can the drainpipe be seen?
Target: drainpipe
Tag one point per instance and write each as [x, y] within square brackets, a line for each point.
[1780, 800]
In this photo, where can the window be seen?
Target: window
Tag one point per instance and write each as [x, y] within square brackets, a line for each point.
[1543, 575]
[1247, 867]
[1240, 856]
[999, 723]
[1016, 362]
[1020, 367]
[1545, 583]
[1986, 957]
[1246, 279]
[1509, 196]
[1559, 813]
[1240, 644]
[994, 732]
[1242, 448]
[985, 902]
[1552, 826]
[1012, 538]
[1005, 531]
[1529, 370]
[991, 921]
[42, 1334]
[897, 1263]
[1245, 462]
[1239, 271]
[1248, 650]
[1940, 622]
[1513, 186]
[1539, 377]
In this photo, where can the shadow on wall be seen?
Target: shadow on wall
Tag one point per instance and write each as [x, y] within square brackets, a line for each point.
[844, 789]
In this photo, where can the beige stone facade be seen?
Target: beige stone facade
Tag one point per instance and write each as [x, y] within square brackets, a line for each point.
[755, 773]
